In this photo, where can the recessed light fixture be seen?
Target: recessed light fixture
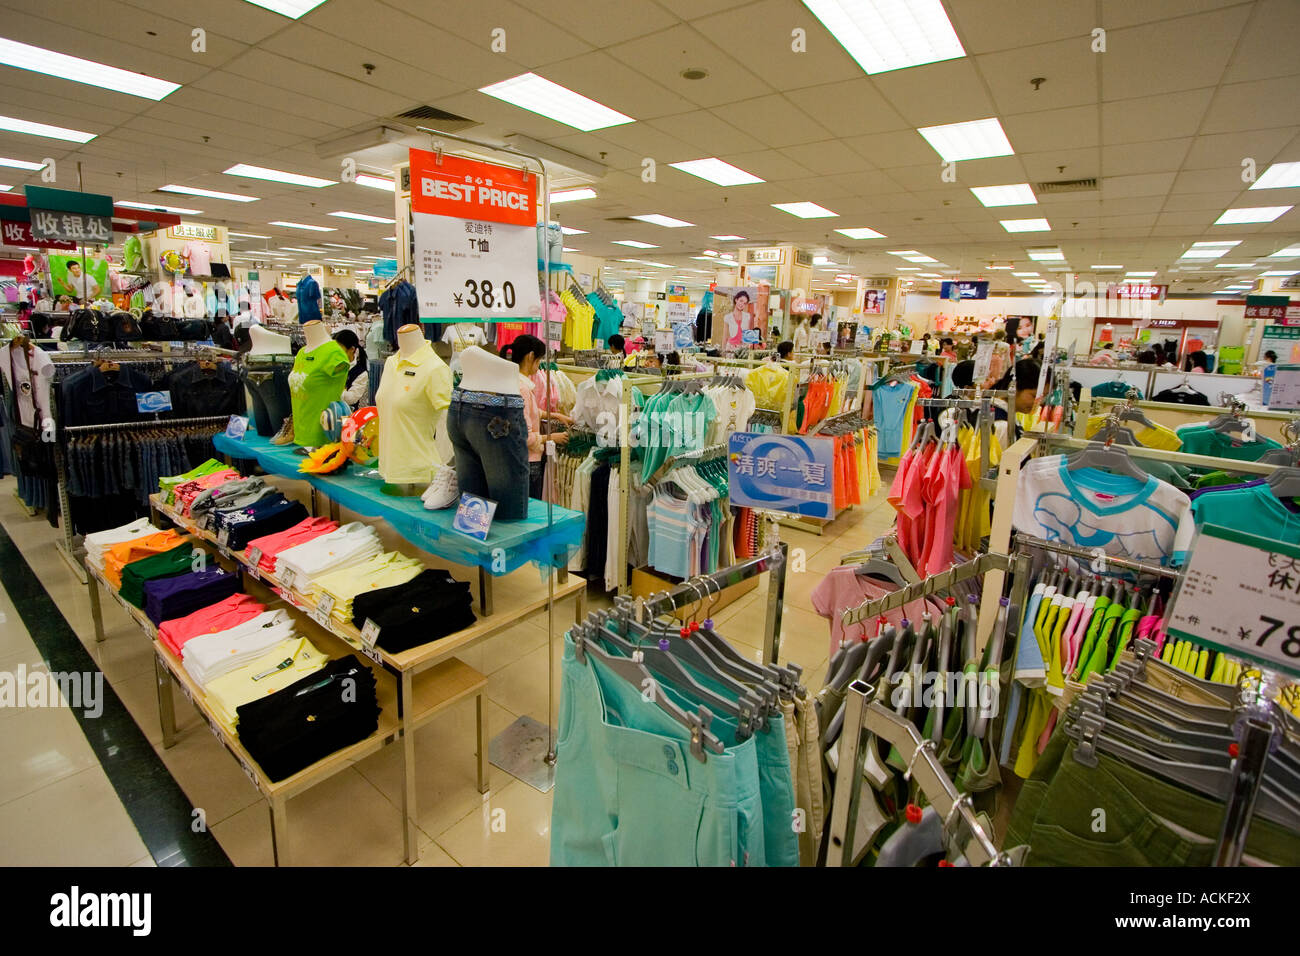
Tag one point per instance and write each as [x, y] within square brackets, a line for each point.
[716, 171]
[861, 232]
[376, 182]
[920, 258]
[975, 139]
[929, 275]
[667, 221]
[534, 93]
[570, 231]
[907, 268]
[388, 239]
[572, 195]
[1138, 275]
[1001, 268]
[817, 260]
[155, 207]
[1279, 176]
[1233, 265]
[340, 245]
[20, 164]
[38, 60]
[14, 125]
[728, 238]
[1046, 255]
[276, 176]
[635, 244]
[804, 210]
[247, 235]
[1105, 268]
[362, 217]
[1204, 253]
[1023, 274]
[207, 193]
[293, 9]
[301, 225]
[1251, 214]
[1210, 244]
[884, 35]
[1278, 273]
[1026, 225]
[1016, 194]
[1290, 252]
[296, 249]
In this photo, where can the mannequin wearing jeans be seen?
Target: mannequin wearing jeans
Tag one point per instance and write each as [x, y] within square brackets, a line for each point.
[527, 352]
[489, 433]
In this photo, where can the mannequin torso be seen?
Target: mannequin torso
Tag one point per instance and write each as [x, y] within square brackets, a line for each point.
[268, 343]
[316, 333]
[485, 372]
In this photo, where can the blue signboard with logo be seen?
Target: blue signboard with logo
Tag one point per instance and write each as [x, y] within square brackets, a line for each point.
[474, 516]
[790, 473]
[385, 268]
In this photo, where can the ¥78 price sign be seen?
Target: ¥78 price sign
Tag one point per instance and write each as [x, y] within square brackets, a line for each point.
[1240, 593]
[475, 227]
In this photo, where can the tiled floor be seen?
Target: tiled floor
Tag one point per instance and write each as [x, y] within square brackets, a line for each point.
[54, 782]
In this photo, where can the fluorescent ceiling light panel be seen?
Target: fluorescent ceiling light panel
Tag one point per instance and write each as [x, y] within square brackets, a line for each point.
[293, 9]
[804, 210]
[537, 94]
[1203, 253]
[34, 58]
[301, 225]
[296, 249]
[1103, 268]
[635, 244]
[1017, 194]
[1279, 273]
[929, 275]
[668, 222]
[907, 268]
[340, 245]
[1290, 252]
[389, 239]
[1227, 243]
[1047, 255]
[376, 182]
[5, 189]
[1251, 214]
[728, 238]
[20, 164]
[247, 235]
[361, 217]
[716, 171]
[1026, 225]
[1279, 176]
[920, 258]
[276, 176]
[861, 232]
[1138, 275]
[1233, 265]
[976, 139]
[155, 207]
[1023, 274]
[14, 125]
[570, 231]
[884, 35]
[571, 195]
[208, 193]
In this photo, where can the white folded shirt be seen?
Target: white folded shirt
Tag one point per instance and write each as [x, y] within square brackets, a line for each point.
[99, 542]
[209, 656]
[348, 545]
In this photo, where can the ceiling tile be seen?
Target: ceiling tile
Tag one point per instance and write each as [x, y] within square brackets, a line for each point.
[1254, 105]
[1146, 118]
[937, 93]
[1192, 52]
[1132, 158]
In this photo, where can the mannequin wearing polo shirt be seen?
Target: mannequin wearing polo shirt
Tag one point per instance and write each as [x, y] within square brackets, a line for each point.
[414, 392]
[320, 371]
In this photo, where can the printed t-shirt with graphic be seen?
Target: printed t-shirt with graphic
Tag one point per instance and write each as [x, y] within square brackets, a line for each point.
[319, 376]
[1089, 508]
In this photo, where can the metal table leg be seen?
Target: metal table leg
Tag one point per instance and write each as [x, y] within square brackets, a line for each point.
[483, 782]
[334, 510]
[96, 611]
[279, 831]
[485, 592]
[166, 705]
[410, 835]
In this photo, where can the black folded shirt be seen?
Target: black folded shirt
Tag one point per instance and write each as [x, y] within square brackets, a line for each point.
[431, 605]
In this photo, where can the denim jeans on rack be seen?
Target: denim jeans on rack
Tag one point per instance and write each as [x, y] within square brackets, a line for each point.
[374, 369]
[269, 391]
[490, 436]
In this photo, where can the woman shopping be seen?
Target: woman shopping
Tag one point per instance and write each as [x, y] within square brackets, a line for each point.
[358, 384]
[527, 351]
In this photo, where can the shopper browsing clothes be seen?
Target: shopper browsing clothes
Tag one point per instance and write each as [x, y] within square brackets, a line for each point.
[357, 389]
[527, 351]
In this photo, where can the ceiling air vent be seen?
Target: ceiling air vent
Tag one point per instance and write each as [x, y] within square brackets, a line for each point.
[426, 115]
[1065, 186]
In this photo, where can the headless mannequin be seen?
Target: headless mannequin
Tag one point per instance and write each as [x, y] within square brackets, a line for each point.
[268, 343]
[485, 372]
[317, 334]
[410, 338]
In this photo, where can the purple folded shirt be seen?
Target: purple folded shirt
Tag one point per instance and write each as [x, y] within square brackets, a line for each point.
[167, 598]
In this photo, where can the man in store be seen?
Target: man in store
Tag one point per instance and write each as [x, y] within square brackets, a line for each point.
[784, 351]
[615, 345]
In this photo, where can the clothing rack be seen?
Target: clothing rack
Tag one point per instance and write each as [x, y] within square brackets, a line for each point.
[864, 717]
[870, 610]
[1063, 443]
[155, 423]
[707, 453]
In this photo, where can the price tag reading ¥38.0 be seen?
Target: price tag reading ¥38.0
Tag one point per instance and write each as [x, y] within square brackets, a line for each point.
[1240, 593]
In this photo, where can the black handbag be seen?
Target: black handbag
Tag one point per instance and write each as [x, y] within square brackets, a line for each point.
[159, 328]
[33, 457]
[125, 327]
[193, 330]
[88, 325]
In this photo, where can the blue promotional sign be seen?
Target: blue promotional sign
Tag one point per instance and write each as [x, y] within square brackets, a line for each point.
[385, 268]
[150, 403]
[790, 473]
[474, 516]
[684, 334]
[751, 337]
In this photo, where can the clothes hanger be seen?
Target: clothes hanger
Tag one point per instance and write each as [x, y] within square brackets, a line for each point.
[1106, 457]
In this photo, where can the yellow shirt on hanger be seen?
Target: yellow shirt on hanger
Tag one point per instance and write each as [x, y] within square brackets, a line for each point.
[1157, 436]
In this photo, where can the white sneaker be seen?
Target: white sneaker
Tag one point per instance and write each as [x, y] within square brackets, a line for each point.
[443, 491]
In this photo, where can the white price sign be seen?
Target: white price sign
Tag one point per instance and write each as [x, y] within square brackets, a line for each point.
[369, 633]
[983, 362]
[1241, 593]
[665, 341]
[678, 312]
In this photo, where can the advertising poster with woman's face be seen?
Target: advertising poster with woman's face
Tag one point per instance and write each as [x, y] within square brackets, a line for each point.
[873, 302]
[744, 312]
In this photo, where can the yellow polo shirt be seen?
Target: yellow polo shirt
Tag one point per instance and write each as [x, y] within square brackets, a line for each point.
[288, 661]
[413, 392]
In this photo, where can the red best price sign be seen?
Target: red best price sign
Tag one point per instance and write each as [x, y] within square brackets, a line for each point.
[470, 189]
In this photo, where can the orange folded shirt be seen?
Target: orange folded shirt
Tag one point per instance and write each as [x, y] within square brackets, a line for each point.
[120, 555]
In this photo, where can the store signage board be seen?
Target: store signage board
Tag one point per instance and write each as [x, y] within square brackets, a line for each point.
[964, 290]
[150, 403]
[20, 234]
[1266, 306]
[385, 268]
[767, 256]
[678, 312]
[1128, 290]
[684, 334]
[665, 341]
[474, 516]
[1291, 282]
[475, 235]
[1284, 394]
[1282, 339]
[193, 230]
[983, 362]
[674, 289]
[51, 225]
[789, 473]
[1240, 593]
[803, 257]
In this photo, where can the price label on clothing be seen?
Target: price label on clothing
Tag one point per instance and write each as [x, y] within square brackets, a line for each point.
[325, 605]
[223, 540]
[373, 654]
[254, 557]
[369, 633]
[286, 579]
[1240, 593]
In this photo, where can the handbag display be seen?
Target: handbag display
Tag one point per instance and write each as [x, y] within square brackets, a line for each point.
[125, 327]
[33, 457]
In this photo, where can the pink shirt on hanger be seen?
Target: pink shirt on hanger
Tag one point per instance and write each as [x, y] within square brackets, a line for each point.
[844, 588]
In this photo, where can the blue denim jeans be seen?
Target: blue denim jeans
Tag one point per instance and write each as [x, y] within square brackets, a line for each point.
[490, 436]
[269, 391]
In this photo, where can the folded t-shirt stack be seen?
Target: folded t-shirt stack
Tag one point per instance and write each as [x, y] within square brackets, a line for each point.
[128, 552]
[271, 545]
[431, 605]
[232, 493]
[179, 560]
[382, 571]
[311, 718]
[265, 516]
[229, 612]
[209, 656]
[351, 544]
[97, 544]
[186, 593]
[168, 484]
[282, 665]
[186, 494]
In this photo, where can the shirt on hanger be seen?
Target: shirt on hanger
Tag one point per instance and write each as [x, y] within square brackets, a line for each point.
[200, 256]
[1251, 508]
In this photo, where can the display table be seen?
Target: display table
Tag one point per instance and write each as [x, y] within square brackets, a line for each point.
[509, 544]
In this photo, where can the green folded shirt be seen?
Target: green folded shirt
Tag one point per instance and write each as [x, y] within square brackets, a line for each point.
[168, 564]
